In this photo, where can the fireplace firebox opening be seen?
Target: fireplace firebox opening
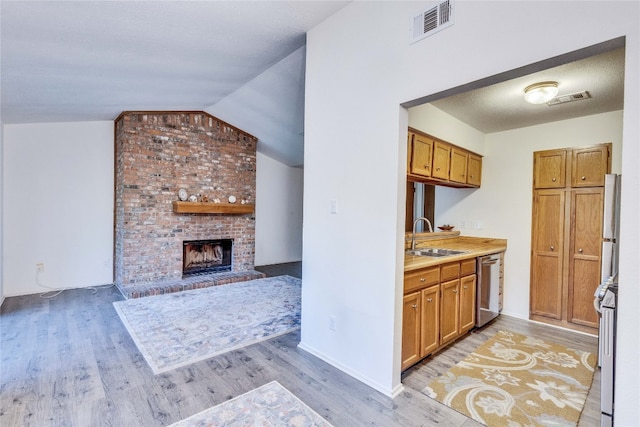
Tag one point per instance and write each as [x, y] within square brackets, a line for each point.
[206, 256]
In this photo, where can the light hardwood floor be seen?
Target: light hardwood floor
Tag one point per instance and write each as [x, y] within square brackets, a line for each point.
[69, 361]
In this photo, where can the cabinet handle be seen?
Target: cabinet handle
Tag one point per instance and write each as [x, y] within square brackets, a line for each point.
[437, 169]
[414, 306]
[552, 248]
[422, 279]
[426, 166]
[455, 291]
[429, 299]
[583, 177]
[580, 250]
[553, 179]
[465, 287]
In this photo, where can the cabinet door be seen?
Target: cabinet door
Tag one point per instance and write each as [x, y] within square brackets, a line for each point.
[411, 329]
[546, 253]
[467, 303]
[441, 160]
[421, 155]
[589, 165]
[584, 255]
[474, 170]
[458, 171]
[549, 168]
[450, 311]
[430, 322]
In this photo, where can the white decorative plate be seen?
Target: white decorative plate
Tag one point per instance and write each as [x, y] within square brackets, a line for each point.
[182, 194]
[232, 199]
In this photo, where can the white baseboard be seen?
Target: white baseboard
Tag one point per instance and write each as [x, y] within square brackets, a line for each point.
[357, 375]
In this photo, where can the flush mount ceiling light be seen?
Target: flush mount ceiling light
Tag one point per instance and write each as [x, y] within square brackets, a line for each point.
[539, 93]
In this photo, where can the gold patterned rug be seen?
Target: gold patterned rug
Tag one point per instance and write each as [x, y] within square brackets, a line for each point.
[515, 380]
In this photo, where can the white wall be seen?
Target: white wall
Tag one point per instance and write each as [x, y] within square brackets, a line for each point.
[278, 212]
[355, 148]
[58, 205]
[436, 122]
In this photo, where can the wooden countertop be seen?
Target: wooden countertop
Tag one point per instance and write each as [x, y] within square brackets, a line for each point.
[473, 246]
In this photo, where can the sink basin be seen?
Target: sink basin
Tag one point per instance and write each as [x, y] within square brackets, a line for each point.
[434, 252]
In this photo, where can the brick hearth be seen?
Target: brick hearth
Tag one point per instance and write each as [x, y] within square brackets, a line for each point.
[157, 153]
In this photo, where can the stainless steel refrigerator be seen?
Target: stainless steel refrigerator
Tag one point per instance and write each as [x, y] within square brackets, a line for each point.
[606, 297]
[610, 227]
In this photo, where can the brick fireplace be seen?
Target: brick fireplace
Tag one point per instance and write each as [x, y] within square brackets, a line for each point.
[158, 153]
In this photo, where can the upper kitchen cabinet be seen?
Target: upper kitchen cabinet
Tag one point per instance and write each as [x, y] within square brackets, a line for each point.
[420, 154]
[474, 170]
[576, 168]
[589, 165]
[549, 168]
[433, 161]
[459, 160]
[441, 160]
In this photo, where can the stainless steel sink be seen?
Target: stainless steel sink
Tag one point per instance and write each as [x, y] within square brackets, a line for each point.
[434, 252]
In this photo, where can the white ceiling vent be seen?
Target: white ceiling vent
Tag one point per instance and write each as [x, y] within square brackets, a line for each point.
[578, 96]
[432, 20]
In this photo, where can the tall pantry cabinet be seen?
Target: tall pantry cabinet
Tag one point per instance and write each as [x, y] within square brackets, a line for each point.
[568, 187]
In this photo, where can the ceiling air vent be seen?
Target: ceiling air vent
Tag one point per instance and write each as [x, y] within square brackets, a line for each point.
[434, 19]
[578, 96]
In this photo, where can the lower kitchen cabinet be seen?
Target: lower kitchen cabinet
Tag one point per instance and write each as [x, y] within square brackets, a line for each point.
[430, 321]
[411, 329]
[439, 307]
[467, 303]
[450, 319]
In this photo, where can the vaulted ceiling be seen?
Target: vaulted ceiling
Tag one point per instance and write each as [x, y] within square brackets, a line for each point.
[242, 61]
[78, 61]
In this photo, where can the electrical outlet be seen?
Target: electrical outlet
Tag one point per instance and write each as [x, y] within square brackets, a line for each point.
[332, 323]
[40, 267]
[333, 206]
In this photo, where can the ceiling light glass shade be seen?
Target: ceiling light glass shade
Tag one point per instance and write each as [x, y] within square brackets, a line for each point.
[539, 93]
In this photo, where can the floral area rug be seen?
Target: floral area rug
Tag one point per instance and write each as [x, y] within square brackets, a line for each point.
[514, 380]
[269, 405]
[181, 328]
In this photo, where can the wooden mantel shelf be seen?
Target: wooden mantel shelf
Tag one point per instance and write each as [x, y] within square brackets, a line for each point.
[212, 208]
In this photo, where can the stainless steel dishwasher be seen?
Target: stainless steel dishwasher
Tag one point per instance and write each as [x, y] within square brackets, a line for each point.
[488, 292]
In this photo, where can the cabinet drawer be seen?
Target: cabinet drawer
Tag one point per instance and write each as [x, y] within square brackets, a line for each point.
[450, 271]
[467, 267]
[421, 278]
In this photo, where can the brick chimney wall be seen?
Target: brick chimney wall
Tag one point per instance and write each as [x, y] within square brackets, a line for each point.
[156, 154]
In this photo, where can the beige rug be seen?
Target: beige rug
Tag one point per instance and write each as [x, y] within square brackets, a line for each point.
[180, 328]
[514, 380]
[268, 406]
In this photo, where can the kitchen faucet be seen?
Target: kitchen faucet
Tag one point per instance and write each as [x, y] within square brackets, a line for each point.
[413, 236]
